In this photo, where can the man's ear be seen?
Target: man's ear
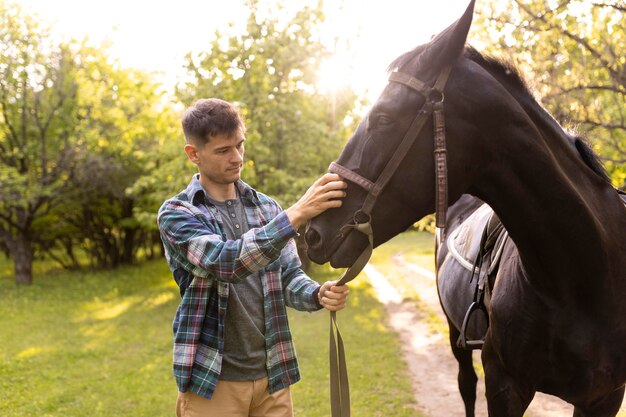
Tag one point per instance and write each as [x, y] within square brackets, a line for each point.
[192, 153]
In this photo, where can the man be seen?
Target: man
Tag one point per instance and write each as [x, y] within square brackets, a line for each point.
[232, 253]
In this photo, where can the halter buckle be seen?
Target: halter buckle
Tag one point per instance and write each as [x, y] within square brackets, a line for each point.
[435, 96]
[361, 222]
[361, 217]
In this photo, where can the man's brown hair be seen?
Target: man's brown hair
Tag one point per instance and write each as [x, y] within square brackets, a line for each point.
[210, 117]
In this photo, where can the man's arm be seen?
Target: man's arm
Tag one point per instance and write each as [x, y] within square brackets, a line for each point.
[303, 293]
[202, 251]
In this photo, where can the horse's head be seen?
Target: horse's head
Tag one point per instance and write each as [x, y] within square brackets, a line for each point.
[409, 192]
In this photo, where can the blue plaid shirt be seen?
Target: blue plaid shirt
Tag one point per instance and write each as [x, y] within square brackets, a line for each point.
[202, 262]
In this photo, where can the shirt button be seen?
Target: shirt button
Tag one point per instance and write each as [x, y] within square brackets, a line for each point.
[232, 214]
[236, 226]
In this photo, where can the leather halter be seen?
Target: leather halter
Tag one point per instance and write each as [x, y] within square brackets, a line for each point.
[433, 105]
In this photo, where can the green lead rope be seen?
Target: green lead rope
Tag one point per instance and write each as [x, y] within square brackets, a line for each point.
[339, 386]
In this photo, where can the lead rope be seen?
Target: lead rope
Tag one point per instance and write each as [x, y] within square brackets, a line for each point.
[339, 386]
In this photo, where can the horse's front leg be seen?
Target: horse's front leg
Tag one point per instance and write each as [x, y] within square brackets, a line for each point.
[607, 407]
[506, 397]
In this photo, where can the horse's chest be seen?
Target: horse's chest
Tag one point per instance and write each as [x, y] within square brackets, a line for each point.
[566, 353]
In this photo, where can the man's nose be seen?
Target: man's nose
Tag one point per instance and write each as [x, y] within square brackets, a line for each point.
[237, 157]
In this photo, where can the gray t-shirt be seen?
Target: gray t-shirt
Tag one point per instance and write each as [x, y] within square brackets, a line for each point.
[244, 328]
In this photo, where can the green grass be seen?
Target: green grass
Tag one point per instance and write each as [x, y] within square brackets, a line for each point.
[417, 247]
[88, 344]
[99, 344]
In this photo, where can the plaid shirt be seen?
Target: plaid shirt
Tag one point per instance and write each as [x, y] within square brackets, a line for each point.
[203, 262]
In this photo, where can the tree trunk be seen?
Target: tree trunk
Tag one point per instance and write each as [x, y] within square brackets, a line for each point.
[21, 252]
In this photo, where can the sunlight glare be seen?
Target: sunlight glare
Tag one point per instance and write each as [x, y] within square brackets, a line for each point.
[366, 36]
[334, 74]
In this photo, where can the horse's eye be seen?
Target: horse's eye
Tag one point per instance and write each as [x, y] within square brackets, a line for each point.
[383, 120]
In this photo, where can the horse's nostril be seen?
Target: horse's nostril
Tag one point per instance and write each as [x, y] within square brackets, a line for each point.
[312, 238]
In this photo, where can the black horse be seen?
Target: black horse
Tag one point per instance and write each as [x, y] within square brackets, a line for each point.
[558, 305]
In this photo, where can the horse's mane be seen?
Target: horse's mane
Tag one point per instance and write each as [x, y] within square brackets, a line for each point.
[591, 158]
[502, 70]
[507, 73]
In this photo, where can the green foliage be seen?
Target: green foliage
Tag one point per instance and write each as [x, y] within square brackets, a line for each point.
[38, 100]
[293, 130]
[165, 171]
[124, 120]
[76, 133]
[573, 51]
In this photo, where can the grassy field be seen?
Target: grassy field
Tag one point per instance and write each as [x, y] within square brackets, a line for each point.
[99, 344]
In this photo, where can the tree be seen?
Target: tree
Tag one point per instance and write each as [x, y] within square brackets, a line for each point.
[76, 132]
[293, 130]
[573, 51]
[39, 114]
[124, 119]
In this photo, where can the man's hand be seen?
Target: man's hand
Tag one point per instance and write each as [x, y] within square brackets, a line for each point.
[325, 193]
[333, 297]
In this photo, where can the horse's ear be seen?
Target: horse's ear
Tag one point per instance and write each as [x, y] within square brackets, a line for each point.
[446, 47]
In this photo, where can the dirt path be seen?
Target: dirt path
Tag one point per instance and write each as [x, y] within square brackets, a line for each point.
[432, 367]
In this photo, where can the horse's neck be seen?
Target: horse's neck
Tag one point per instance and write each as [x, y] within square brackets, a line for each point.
[567, 203]
[561, 216]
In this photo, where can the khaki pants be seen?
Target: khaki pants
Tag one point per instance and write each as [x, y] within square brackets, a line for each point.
[236, 399]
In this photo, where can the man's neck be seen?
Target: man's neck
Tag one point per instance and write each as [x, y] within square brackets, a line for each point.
[219, 192]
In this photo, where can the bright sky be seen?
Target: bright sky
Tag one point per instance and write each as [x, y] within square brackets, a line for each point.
[155, 35]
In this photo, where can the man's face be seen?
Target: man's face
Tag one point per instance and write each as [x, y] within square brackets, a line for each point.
[220, 161]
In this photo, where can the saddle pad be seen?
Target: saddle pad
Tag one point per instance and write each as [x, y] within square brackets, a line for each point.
[464, 242]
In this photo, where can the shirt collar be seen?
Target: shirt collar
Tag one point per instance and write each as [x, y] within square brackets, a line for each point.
[195, 189]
